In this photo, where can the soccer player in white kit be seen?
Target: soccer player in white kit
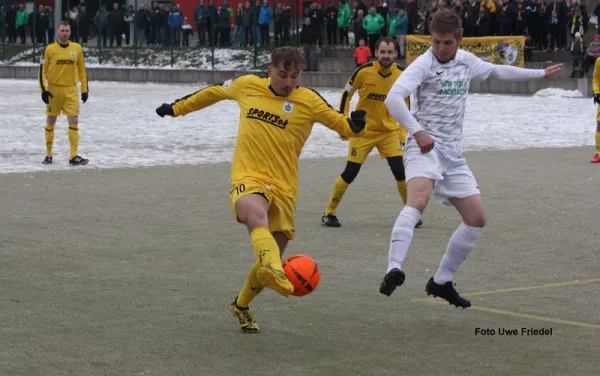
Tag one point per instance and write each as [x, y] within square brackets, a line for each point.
[433, 155]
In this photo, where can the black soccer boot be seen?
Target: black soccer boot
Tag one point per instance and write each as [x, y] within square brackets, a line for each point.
[47, 160]
[330, 220]
[419, 223]
[392, 279]
[78, 161]
[446, 292]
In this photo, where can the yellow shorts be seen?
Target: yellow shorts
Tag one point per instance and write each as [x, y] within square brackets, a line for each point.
[282, 208]
[598, 113]
[64, 99]
[389, 144]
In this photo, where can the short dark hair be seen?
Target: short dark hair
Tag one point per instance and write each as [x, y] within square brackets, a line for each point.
[446, 21]
[388, 40]
[64, 23]
[291, 57]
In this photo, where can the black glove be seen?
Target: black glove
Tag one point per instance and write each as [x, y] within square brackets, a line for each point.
[597, 98]
[46, 95]
[358, 120]
[84, 97]
[165, 109]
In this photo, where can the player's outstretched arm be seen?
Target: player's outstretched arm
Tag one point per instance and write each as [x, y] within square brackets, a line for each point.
[201, 98]
[337, 121]
[510, 73]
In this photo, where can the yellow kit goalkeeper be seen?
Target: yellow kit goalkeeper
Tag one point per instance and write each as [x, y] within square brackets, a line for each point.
[62, 66]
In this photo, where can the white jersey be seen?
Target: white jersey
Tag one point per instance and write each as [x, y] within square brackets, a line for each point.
[441, 93]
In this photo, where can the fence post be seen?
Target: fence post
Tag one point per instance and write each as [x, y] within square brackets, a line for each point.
[3, 19]
[99, 22]
[135, 37]
[33, 35]
[254, 31]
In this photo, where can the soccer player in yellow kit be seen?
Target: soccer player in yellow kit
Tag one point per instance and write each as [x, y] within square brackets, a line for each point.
[373, 81]
[62, 66]
[596, 88]
[276, 119]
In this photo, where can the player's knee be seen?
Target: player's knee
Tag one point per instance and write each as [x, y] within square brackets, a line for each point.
[51, 120]
[397, 166]
[255, 218]
[477, 221]
[350, 172]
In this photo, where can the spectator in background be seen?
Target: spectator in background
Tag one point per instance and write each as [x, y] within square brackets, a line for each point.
[308, 38]
[359, 30]
[21, 22]
[402, 31]
[264, 21]
[247, 22]
[115, 25]
[331, 23]
[84, 21]
[202, 21]
[412, 11]
[140, 22]
[577, 24]
[101, 21]
[186, 30]
[74, 22]
[592, 53]
[129, 15]
[470, 15]
[577, 53]
[343, 20]
[174, 21]
[278, 26]
[50, 30]
[362, 53]
[373, 25]
[224, 19]
[317, 19]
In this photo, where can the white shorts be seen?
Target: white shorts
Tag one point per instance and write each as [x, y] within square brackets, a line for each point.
[452, 177]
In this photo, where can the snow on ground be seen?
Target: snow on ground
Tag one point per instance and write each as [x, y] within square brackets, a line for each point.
[158, 58]
[119, 127]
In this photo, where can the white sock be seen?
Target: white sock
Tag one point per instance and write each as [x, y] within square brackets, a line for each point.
[459, 247]
[402, 234]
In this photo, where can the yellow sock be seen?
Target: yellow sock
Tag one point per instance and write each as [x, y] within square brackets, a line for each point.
[337, 192]
[597, 142]
[402, 189]
[49, 138]
[73, 139]
[251, 288]
[266, 248]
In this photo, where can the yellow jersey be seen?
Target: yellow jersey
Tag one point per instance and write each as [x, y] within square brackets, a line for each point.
[596, 77]
[62, 66]
[373, 83]
[272, 129]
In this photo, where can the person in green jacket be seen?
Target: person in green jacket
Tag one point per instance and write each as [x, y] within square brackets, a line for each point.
[343, 20]
[373, 23]
[391, 19]
[21, 21]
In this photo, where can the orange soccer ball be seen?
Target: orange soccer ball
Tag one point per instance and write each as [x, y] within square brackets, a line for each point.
[303, 272]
